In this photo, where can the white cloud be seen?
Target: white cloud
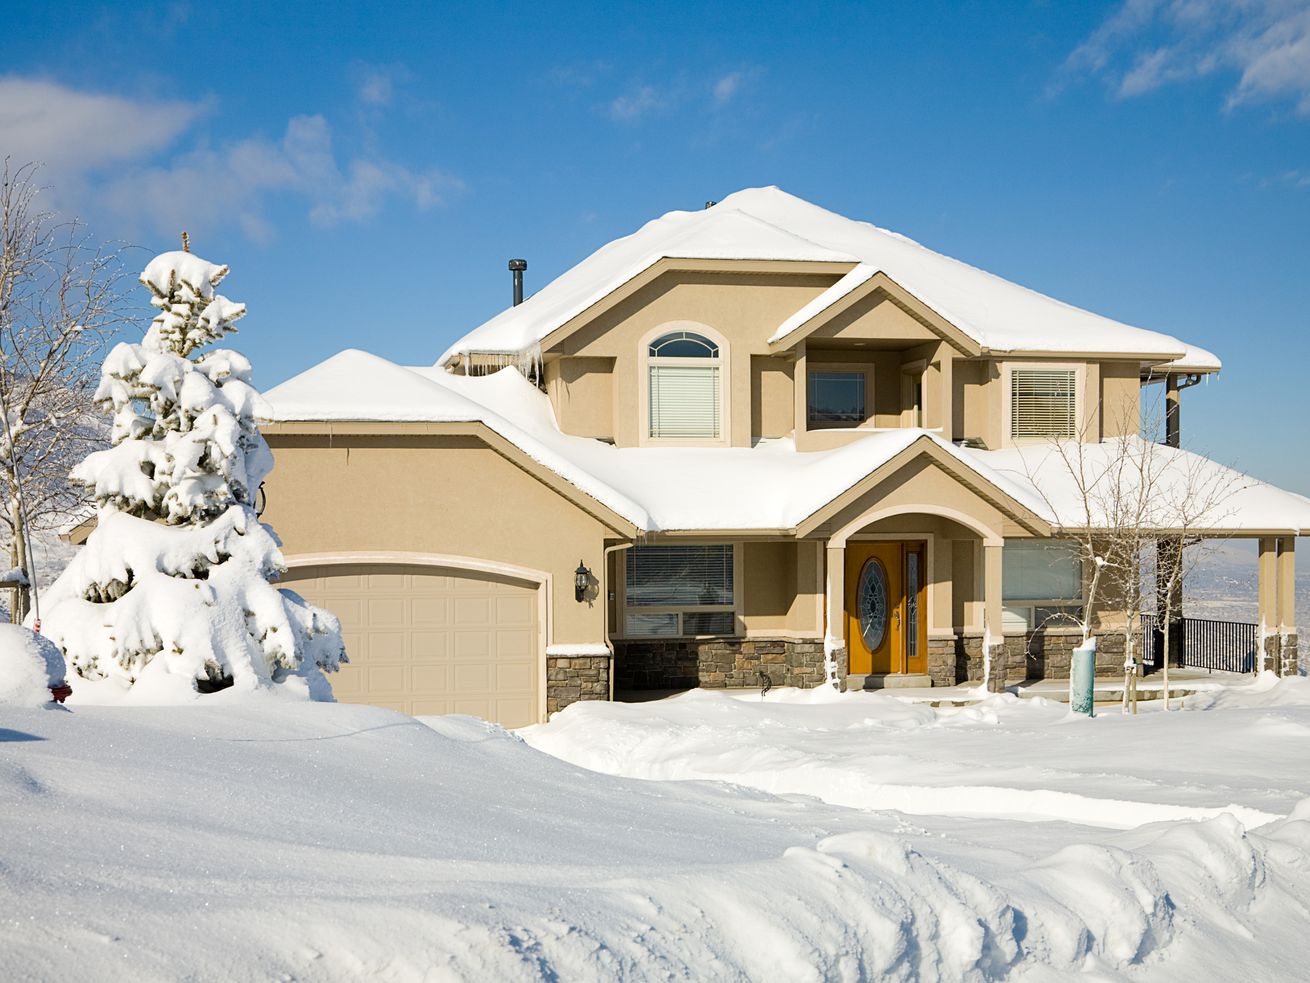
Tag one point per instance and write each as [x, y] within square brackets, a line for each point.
[1146, 44]
[726, 87]
[73, 132]
[236, 182]
[636, 103]
[115, 157]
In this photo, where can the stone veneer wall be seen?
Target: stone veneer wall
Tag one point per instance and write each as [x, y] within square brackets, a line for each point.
[685, 663]
[570, 678]
[1281, 654]
[1037, 654]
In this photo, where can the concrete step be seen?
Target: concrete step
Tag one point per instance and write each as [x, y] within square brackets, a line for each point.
[889, 680]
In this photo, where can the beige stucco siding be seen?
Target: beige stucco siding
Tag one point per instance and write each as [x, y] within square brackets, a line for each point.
[1121, 394]
[438, 495]
[772, 400]
[743, 309]
[770, 585]
[581, 392]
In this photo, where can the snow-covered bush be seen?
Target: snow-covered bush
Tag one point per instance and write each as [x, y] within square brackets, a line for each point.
[29, 666]
[173, 584]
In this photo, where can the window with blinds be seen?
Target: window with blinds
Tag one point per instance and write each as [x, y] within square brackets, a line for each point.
[684, 396]
[1043, 403]
[684, 401]
[679, 590]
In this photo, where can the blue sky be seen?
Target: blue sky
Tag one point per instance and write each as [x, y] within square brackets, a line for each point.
[367, 173]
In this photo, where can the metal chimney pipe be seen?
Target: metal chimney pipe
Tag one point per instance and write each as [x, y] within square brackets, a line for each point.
[517, 266]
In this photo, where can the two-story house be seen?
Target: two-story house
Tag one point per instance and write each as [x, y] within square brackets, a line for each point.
[756, 438]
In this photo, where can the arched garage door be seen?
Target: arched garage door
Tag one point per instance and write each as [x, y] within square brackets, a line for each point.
[431, 640]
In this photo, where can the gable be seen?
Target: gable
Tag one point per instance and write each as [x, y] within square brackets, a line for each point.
[743, 300]
[926, 479]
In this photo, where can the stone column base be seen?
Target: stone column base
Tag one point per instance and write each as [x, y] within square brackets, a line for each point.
[1288, 661]
[570, 678]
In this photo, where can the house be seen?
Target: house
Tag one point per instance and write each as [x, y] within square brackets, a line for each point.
[760, 438]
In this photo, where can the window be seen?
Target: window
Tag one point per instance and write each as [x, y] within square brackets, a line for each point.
[1043, 403]
[679, 590]
[836, 399]
[1042, 583]
[684, 386]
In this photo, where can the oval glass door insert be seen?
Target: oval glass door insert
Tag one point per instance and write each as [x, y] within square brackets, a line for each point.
[871, 599]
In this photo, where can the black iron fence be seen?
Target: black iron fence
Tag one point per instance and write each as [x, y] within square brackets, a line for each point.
[1230, 646]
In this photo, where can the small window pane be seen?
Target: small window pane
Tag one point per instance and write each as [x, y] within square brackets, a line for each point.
[683, 344]
[651, 624]
[1041, 571]
[1043, 403]
[670, 576]
[836, 398]
[708, 623]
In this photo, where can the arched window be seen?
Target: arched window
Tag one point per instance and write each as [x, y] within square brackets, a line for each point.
[684, 386]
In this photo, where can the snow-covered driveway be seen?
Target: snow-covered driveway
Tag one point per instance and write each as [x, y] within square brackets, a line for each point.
[335, 842]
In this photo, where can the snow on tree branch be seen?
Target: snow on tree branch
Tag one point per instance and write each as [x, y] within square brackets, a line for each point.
[172, 588]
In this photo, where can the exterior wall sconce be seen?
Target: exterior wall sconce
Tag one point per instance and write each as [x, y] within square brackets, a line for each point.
[581, 580]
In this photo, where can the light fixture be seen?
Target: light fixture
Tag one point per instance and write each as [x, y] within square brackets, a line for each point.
[581, 580]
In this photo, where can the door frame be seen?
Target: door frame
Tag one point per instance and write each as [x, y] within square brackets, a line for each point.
[471, 564]
[927, 540]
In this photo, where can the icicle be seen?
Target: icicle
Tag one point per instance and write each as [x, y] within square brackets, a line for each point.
[528, 363]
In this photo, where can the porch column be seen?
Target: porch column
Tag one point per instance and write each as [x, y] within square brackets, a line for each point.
[993, 630]
[1287, 605]
[1267, 597]
[834, 640]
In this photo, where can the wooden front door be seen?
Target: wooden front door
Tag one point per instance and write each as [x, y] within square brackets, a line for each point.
[886, 607]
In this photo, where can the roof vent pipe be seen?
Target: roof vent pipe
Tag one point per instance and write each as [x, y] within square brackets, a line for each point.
[517, 266]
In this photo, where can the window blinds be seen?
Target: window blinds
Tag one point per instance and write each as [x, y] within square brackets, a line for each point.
[678, 576]
[1043, 403]
[684, 401]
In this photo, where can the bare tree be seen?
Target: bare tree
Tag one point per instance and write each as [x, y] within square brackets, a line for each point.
[1120, 496]
[60, 300]
[1196, 498]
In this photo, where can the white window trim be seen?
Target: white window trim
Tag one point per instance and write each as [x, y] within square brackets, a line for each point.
[724, 364]
[738, 590]
[1007, 400]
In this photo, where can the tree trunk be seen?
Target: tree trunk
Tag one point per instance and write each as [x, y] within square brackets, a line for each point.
[18, 561]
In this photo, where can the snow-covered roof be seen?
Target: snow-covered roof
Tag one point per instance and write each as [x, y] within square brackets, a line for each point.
[649, 486]
[769, 224]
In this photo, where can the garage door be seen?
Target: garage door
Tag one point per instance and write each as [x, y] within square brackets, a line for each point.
[428, 640]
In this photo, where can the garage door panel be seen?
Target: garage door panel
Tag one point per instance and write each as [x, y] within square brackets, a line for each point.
[472, 678]
[429, 610]
[430, 679]
[512, 676]
[471, 644]
[514, 644]
[471, 610]
[386, 646]
[515, 713]
[385, 612]
[431, 640]
[515, 610]
[429, 646]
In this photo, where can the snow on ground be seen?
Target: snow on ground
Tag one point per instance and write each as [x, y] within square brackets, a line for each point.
[276, 840]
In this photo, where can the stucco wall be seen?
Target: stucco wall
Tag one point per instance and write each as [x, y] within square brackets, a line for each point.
[433, 494]
[581, 391]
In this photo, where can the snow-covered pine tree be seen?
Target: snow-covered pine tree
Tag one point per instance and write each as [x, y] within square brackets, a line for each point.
[172, 588]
